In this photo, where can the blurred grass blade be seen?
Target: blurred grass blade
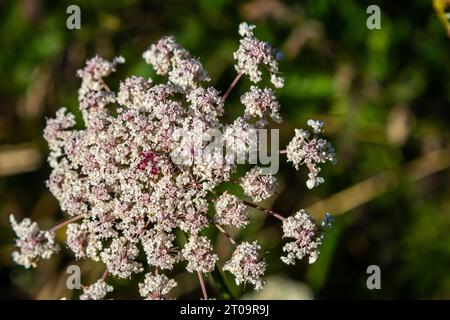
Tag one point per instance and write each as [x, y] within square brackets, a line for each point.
[439, 7]
[220, 282]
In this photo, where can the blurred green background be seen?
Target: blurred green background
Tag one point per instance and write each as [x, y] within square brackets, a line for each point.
[383, 94]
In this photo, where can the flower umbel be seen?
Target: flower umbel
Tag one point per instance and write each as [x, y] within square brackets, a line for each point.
[138, 179]
[254, 53]
[155, 287]
[257, 185]
[307, 238]
[230, 210]
[198, 253]
[310, 151]
[34, 244]
[259, 102]
[247, 265]
[96, 291]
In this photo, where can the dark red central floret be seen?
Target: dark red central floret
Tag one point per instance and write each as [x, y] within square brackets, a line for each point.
[149, 157]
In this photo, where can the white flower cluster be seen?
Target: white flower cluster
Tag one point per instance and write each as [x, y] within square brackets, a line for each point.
[132, 92]
[168, 57]
[96, 291]
[136, 199]
[33, 243]
[94, 92]
[81, 242]
[120, 257]
[56, 133]
[247, 265]
[198, 252]
[259, 102]
[253, 53]
[310, 151]
[307, 238]
[241, 137]
[230, 210]
[158, 246]
[155, 287]
[257, 185]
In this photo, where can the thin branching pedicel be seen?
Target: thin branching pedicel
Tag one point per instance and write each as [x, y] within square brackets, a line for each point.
[140, 177]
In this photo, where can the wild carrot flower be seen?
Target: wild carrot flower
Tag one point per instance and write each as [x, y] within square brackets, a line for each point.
[198, 252]
[83, 242]
[307, 238]
[96, 291]
[310, 151]
[247, 265]
[139, 176]
[261, 102]
[241, 139]
[159, 249]
[230, 210]
[120, 257]
[155, 287]
[254, 53]
[34, 244]
[257, 185]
